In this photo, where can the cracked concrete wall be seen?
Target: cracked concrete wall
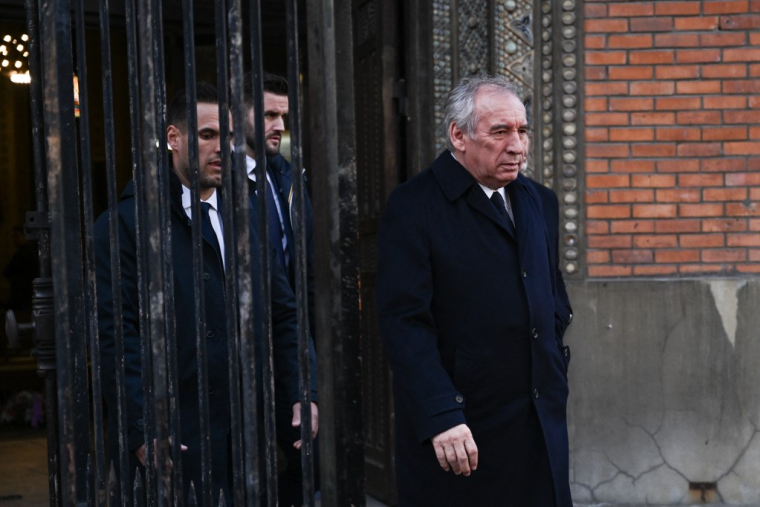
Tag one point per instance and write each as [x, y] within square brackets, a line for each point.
[665, 391]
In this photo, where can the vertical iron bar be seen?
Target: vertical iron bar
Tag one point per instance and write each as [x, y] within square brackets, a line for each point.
[200, 318]
[233, 335]
[64, 214]
[45, 336]
[140, 236]
[304, 373]
[113, 222]
[98, 473]
[154, 250]
[270, 432]
[244, 266]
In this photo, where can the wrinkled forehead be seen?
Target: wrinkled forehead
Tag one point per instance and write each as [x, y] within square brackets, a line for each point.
[496, 103]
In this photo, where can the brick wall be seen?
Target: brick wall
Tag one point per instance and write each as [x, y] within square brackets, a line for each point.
[672, 115]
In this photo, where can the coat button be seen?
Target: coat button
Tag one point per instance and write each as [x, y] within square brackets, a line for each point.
[566, 352]
[459, 398]
[570, 318]
[206, 276]
[535, 393]
[534, 333]
[525, 274]
[210, 334]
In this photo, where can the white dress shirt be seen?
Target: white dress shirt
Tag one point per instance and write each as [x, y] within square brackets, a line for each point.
[490, 191]
[213, 214]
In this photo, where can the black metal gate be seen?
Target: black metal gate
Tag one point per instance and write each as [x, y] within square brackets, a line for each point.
[65, 314]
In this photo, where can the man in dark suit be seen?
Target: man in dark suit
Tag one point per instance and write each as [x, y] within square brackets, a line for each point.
[280, 184]
[472, 311]
[283, 305]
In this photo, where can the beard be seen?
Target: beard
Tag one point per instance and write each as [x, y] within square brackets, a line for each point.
[250, 141]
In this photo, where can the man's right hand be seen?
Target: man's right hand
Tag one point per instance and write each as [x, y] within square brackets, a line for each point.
[455, 448]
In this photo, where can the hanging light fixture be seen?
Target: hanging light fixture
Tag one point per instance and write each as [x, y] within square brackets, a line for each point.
[14, 55]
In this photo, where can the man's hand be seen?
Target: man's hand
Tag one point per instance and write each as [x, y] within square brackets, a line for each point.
[297, 421]
[456, 449]
[142, 451]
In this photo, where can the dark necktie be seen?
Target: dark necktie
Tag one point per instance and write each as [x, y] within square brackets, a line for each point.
[498, 201]
[208, 229]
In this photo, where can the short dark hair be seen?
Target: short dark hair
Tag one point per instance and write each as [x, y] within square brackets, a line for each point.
[273, 83]
[176, 113]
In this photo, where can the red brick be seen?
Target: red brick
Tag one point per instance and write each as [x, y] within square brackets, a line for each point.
[697, 87]
[743, 240]
[632, 256]
[678, 134]
[754, 194]
[679, 226]
[649, 270]
[751, 268]
[724, 133]
[651, 57]
[595, 73]
[724, 70]
[745, 148]
[676, 72]
[740, 116]
[742, 179]
[605, 25]
[597, 227]
[600, 119]
[594, 41]
[632, 226]
[654, 210]
[608, 211]
[724, 255]
[653, 88]
[660, 24]
[725, 7]
[724, 225]
[699, 150]
[723, 39]
[632, 166]
[724, 164]
[597, 166]
[605, 57]
[697, 23]
[754, 132]
[607, 181]
[697, 55]
[676, 40]
[754, 224]
[676, 103]
[677, 8]
[653, 150]
[598, 257]
[746, 22]
[631, 104]
[594, 135]
[620, 196]
[724, 102]
[617, 88]
[631, 134]
[676, 256]
[754, 39]
[595, 10]
[615, 241]
[754, 70]
[700, 180]
[702, 240]
[683, 165]
[700, 210]
[608, 271]
[653, 181]
[653, 118]
[595, 104]
[724, 194]
[699, 269]
[698, 118]
[734, 209]
[741, 55]
[655, 241]
[631, 9]
[678, 195]
[629, 42]
[630, 72]
[749, 86]
[606, 150]
[596, 197]
[754, 6]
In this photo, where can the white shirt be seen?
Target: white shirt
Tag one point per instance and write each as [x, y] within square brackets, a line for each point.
[250, 165]
[213, 214]
[489, 192]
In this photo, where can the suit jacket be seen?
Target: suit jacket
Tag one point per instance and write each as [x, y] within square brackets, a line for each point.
[472, 320]
[284, 341]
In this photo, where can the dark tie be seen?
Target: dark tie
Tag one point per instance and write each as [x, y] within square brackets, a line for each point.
[208, 229]
[498, 201]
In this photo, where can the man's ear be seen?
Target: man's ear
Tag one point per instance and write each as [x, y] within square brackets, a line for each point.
[173, 137]
[457, 137]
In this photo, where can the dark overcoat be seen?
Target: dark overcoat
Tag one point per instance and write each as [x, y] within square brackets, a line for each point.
[284, 341]
[472, 320]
